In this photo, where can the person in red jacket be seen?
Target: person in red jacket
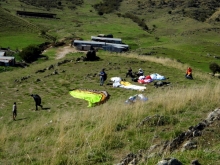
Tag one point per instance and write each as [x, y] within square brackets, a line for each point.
[189, 73]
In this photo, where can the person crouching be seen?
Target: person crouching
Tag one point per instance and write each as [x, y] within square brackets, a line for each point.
[37, 100]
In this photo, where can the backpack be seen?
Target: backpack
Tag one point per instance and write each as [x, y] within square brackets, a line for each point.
[135, 79]
[37, 99]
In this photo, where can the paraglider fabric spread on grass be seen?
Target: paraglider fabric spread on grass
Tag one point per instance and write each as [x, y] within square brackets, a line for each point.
[93, 97]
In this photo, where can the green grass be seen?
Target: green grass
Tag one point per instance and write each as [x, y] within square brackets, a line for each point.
[51, 53]
[57, 126]
[17, 41]
[70, 133]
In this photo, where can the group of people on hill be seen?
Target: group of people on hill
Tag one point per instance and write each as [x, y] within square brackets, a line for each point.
[103, 77]
[103, 74]
[140, 72]
[37, 100]
[129, 73]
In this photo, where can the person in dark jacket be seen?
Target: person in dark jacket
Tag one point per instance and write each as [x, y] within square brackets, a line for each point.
[37, 100]
[129, 73]
[103, 76]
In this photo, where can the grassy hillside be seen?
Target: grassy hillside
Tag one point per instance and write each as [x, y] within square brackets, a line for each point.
[16, 32]
[170, 35]
[67, 131]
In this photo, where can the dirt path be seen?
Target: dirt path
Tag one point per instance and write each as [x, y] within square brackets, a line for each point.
[61, 52]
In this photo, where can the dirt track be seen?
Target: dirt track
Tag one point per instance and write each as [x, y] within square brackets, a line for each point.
[62, 51]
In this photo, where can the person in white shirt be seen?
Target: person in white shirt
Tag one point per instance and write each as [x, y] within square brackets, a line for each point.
[14, 111]
[140, 72]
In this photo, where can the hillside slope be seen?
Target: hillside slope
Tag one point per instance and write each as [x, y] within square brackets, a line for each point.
[67, 132]
[12, 23]
[171, 34]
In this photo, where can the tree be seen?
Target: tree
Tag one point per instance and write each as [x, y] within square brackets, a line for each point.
[91, 55]
[43, 32]
[59, 3]
[30, 53]
[214, 68]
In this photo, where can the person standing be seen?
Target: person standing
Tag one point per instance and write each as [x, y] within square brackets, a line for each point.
[103, 77]
[14, 111]
[37, 100]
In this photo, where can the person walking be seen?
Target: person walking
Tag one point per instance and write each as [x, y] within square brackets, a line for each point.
[103, 77]
[14, 111]
[37, 100]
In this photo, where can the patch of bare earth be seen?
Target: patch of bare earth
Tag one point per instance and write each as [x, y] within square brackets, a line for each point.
[63, 51]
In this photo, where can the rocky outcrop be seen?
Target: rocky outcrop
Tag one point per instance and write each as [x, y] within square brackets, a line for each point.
[184, 141]
[169, 161]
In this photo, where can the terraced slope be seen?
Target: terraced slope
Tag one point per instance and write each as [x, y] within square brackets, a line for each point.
[12, 23]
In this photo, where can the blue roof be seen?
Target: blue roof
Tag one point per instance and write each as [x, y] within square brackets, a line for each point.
[106, 39]
[88, 42]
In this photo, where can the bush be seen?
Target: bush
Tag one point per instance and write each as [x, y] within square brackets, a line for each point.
[214, 68]
[106, 6]
[137, 20]
[100, 13]
[30, 53]
[91, 55]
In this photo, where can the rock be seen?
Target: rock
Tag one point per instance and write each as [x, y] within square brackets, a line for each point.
[162, 162]
[195, 162]
[189, 145]
[55, 72]
[213, 115]
[169, 161]
[78, 59]
[174, 161]
[40, 71]
[152, 155]
[200, 126]
[50, 67]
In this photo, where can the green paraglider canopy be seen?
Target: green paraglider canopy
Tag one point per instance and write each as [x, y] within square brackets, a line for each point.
[93, 97]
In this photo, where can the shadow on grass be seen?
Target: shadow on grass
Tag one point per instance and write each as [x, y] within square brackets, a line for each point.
[43, 57]
[46, 108]
[21, 119]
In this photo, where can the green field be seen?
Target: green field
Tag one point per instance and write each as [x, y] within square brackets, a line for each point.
[67, 131]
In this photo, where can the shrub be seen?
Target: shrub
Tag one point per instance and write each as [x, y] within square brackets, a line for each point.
[214, 68]
[118, 14]
[91, 56]
[59, 3]
[137, 20]
[107, 6]
[30, 53]
[100, 13]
